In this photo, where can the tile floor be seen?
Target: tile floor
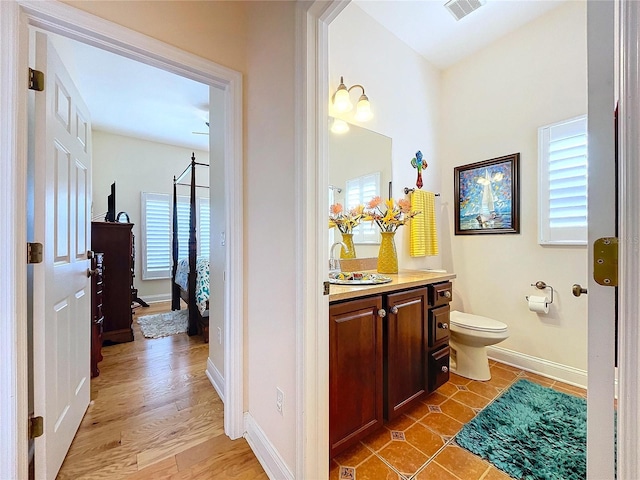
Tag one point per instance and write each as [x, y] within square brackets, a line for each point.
[420, 444]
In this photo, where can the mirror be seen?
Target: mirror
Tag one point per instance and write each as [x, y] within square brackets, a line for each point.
[359, 159]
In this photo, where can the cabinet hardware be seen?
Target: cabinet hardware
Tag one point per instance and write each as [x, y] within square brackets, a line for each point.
[445, 369]
[382, 313]
[445, 294]
[443, 326]
[394, 309]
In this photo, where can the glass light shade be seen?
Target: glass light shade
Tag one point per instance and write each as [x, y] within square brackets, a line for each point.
[341, 101]
[363, 109]
[339, 126]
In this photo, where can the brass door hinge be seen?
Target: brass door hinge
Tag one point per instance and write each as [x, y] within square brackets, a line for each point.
[36, 80]
[325, 286]
[34, 252]
[605, 261]
[36, 427]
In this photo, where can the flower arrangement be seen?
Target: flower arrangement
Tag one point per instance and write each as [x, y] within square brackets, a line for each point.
[345, 221]
[396, 213]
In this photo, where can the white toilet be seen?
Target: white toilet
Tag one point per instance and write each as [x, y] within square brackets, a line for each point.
[470, 336]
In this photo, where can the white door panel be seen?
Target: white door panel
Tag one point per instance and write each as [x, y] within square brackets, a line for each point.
[62, 300]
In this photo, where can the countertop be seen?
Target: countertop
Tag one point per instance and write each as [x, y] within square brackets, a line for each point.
[399, 281]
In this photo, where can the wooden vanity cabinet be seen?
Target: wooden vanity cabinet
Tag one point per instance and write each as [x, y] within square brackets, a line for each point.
[406, 336]
[355, 371]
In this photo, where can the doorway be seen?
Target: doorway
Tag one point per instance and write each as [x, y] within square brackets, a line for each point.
[227, 85]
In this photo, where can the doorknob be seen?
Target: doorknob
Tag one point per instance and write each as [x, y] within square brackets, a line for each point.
[578, 290]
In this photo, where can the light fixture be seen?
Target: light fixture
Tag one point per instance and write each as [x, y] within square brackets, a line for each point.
[342, 102]
[339, 126]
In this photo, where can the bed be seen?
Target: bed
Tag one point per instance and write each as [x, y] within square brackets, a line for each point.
[190, 276]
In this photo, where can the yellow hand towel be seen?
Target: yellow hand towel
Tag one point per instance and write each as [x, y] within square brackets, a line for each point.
[424, 235]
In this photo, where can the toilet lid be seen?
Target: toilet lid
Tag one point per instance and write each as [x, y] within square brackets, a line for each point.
[476, 322]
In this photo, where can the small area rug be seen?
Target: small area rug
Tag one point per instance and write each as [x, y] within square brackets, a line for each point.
[164, 324]
[531, 432]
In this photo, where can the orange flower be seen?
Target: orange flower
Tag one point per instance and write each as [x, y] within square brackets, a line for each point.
[395, 215]
[345, 221]
[336, 208]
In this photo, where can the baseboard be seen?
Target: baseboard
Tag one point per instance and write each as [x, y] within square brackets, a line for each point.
[265, 452]
[557, 371]
[216, 378]
[164, 297]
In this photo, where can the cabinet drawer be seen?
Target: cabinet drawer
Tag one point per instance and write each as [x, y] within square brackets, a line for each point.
[438, 325]
[438, 368]
[440, 294]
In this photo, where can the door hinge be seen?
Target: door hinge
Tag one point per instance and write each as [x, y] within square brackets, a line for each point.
[605, 261]
[36, 427]
[36, 80]
[325, 286]
[34, 253]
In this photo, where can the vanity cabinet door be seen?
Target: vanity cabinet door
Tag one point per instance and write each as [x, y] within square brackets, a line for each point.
[355, 371]
[405, 350]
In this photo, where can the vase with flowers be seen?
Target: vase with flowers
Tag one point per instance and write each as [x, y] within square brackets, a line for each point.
[388, 216]
[346, 221]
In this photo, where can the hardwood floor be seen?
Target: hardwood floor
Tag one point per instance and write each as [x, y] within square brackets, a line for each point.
[155, 415]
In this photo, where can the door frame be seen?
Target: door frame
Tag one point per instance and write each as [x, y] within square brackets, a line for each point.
[15, 18]
[312, 338]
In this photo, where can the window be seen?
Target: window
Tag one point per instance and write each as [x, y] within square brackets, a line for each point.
[562, 152]
[157, 229]
[359, 191]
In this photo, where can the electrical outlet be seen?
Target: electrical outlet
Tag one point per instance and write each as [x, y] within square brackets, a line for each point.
[279, 400]
[219, 335]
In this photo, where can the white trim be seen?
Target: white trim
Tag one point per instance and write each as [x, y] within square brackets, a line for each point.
[161, 297]
[546, 368]
[629, 291]
[71, 22]
[266, 453]
[311, 173]
[13, 304]
[215, 377]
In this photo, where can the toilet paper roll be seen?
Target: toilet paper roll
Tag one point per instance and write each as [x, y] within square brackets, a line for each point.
[538, 304]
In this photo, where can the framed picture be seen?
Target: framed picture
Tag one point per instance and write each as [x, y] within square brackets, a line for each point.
[487, 196]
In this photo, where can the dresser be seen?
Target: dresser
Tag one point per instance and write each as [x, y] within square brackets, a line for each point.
[115, 240]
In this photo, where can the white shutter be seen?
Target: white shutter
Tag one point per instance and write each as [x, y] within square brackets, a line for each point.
[183, 227]
[156, 235]
[563, 182]
[359, 191]
[204, 227]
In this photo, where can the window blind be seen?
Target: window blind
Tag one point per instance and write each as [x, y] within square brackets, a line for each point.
[563, 182]
[359, 191]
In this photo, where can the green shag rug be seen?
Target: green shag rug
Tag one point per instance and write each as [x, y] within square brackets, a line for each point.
[531, 432]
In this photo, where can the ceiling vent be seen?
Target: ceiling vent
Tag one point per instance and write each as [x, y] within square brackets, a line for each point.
[461, 8]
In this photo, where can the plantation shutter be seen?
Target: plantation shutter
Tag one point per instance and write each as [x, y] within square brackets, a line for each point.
[204, 228]
[359, 191]
[563, 182]
[156, 235]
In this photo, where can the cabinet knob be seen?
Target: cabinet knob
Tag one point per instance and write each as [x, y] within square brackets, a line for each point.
[446, 294]
[382, 313]
[445, 369]
[394, 309]
[443, 326]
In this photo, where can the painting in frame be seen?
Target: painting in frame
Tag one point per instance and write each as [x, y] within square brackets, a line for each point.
[487, 196]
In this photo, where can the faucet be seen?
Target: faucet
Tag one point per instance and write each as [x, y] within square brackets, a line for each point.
[334, 263]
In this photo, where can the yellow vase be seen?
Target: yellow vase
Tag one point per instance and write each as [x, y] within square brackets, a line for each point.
[347, 239]
[387, 257]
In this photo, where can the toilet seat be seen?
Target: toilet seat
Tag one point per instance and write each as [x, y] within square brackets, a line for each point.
[476, 322]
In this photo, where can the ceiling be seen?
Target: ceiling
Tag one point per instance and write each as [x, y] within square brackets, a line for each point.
[133, 99]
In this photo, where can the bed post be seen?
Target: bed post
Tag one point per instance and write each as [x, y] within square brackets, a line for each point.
[193, 252]
[175, 288]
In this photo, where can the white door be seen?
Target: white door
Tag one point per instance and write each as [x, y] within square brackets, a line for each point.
[62, 291]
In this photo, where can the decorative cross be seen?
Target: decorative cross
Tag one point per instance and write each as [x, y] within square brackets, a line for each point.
[421, 164]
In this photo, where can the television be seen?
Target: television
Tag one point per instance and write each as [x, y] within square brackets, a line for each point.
[111, 205]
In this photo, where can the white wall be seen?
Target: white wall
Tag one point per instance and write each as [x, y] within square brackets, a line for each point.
[493, 104]
[269, 225]
[404, 91]
[139, 166]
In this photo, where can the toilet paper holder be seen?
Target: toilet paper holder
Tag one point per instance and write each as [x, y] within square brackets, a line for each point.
[540, 285]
